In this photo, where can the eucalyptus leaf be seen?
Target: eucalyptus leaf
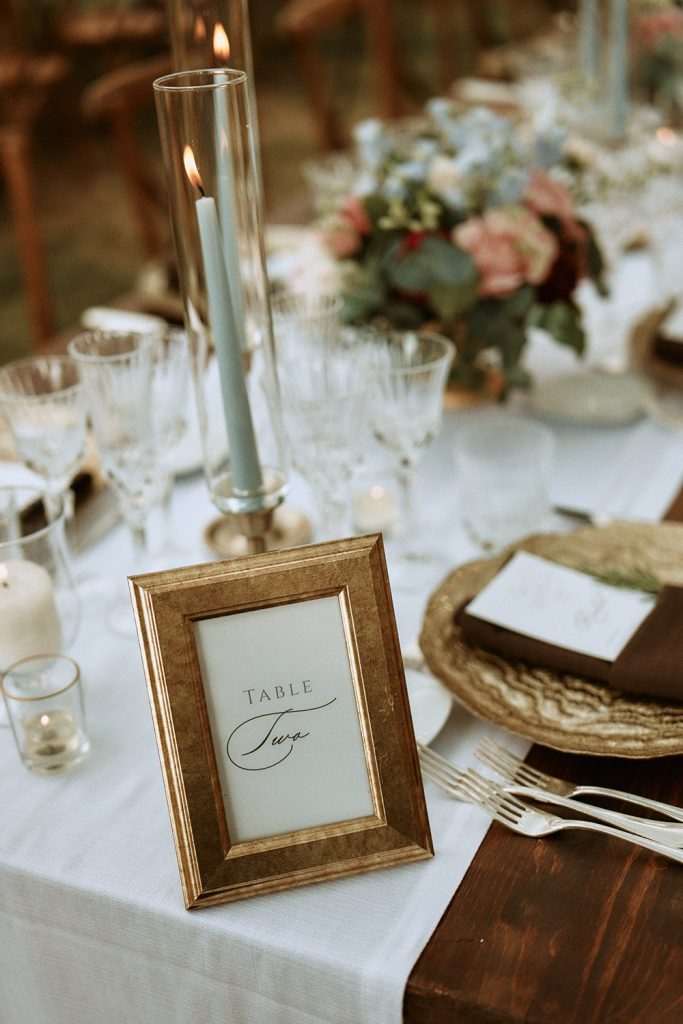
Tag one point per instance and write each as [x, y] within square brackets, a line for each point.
[511, 342]
[450, 301]
[376, 206]
[364, 301]
[406, 315]
[563, 321]
[517, 377]
[433, 261]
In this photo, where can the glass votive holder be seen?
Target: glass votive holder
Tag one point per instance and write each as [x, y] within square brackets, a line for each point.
[44, 701]
[504, 468]
[39, 605]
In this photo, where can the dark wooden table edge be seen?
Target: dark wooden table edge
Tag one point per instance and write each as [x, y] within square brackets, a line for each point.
[452, 984]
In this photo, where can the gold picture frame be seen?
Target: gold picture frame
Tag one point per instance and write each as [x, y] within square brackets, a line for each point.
[282, 719]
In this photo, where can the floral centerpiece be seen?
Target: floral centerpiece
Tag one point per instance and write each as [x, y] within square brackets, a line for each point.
[656, 41]
[464, 222]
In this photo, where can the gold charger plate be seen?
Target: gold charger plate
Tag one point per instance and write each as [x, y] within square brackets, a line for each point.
[559, 711]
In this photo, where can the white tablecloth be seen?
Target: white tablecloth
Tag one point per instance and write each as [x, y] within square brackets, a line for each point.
[92, 924]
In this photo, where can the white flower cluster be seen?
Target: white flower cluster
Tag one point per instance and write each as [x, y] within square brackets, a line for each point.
[467, 161]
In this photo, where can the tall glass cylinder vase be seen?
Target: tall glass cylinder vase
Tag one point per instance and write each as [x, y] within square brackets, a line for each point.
[209, 157]
[210, 33]
[214, 34]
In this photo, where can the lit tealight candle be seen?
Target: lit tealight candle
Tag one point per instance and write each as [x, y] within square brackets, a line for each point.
[51, 738]
[375, 509]
[29, 623]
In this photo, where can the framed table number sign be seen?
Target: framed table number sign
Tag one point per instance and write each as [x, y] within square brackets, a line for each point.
[282, 719]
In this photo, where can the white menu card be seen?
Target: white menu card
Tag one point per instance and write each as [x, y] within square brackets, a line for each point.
[562, 606]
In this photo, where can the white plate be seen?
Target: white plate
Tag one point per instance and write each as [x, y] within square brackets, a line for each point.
[593, 398]
[430, 704]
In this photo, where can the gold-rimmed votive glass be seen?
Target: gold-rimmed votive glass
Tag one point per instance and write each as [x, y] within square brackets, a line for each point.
[44, 700]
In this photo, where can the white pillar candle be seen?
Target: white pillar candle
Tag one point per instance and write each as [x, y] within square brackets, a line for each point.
[618, 54]
[588, 38]
[29, 623]
[244, 462]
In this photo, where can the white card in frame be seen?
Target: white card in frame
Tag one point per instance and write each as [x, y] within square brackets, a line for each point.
[281, 713]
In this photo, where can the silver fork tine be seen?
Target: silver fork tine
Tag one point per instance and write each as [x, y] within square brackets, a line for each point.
[495, 792]
[517, 773]
[490, 798]
[500, 759]
[519, 816]
[471, 780]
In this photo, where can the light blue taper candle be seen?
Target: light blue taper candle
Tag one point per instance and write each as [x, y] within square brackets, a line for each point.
[244, 461]
[589, 55]
[618, 52]
[225, 189]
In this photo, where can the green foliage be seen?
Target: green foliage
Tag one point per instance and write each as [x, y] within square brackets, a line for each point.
[562, 320]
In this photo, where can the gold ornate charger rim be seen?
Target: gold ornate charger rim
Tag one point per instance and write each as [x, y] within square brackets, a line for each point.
[643, 356]
[559, 711]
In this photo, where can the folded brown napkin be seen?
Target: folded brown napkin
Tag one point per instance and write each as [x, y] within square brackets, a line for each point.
[651, 664]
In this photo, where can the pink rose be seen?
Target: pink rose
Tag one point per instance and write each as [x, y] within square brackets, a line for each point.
[509, 246]
[353, 210]
[548, 197]
[651, 29]
[340, 238]
[343, 230]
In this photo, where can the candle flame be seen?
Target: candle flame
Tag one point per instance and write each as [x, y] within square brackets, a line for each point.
[191, 169]
[4, 575]
[221, 43]
[44, 719]
[199, 28]
[667, 136]
[377, 492]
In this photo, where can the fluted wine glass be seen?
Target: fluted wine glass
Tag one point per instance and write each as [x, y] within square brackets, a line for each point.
[170, 397]
[408, 373]
[117, 370]
[324, 411]
[41, 399]
[305, 323]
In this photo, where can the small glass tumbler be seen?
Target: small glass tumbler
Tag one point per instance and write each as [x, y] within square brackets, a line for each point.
[44, 701]
[504, 468]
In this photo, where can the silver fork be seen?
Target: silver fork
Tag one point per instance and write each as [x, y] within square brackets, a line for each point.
[509, 810]
[659, 831]
[514, 769]
[666, 832]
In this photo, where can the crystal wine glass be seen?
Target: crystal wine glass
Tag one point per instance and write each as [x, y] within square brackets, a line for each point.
[42, 401]
[324, 408]
[170, 397]
[408, 372]
[117, 371]
[305, 322]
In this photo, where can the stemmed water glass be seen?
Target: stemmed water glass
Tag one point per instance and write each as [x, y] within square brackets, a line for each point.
[117, 371]
[324, 409]
[408, 373]
[42, 401]
[170, 396]
[305, 322]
